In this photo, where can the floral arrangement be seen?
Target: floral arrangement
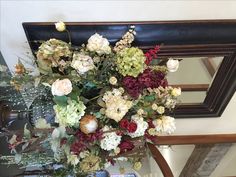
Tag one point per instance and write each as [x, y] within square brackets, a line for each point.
[108, 102]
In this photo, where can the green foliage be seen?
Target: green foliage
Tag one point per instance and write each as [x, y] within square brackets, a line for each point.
[60, 100]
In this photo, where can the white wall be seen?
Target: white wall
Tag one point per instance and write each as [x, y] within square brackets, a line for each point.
[13, 41]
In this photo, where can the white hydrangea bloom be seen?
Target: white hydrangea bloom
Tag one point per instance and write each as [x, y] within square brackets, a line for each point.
[165, 124]
[99, 44]
[141, 126]
[42, 123]
[110, 140]
[82, 63]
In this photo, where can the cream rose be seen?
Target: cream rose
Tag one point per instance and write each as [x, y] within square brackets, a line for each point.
[82, 63]
[96, 43]
[60, 26]
[113, 80]
[61, 87]
[160, 109]
[172, 65]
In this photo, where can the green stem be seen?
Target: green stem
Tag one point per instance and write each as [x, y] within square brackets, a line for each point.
[68, 32]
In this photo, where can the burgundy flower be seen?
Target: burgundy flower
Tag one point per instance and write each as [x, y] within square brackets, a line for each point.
[125, 146]
[132, 86]
[63, 141]
[77, 147]
[132, 127]
[124, 123]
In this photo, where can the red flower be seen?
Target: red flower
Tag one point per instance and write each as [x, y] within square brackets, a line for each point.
[132, 127]
[124, 123]
[151, 54]
[125, 146]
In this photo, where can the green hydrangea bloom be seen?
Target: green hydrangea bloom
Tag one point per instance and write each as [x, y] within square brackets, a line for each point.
[130, 61]
[70, 114]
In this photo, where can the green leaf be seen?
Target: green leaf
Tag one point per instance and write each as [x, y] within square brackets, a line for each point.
[149, 98]
[60, 100]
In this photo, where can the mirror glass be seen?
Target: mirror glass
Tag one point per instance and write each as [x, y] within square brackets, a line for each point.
[194, 76]
[214, 160]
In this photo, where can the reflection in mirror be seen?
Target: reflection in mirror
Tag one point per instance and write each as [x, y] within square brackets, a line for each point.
[201, 160]
[194, 76]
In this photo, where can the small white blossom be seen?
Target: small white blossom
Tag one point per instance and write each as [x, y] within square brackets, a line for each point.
[60, 26]
[110, 140]
[72, 159]
[113, 80]
[160, 109]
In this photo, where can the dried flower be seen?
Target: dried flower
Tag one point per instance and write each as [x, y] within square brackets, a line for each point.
[20, 69]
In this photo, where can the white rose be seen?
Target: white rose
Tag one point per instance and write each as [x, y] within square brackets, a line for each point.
[82, 63]
[96, 43]
[154, 106]
[160, 109]
[172, 65]
[176, 92]
[113, 80]
[60, 26]
[61, 87]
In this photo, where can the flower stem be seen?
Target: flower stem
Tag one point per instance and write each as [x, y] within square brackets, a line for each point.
[68, 32]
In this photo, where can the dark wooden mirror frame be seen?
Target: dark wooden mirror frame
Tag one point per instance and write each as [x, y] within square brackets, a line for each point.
[180, 38]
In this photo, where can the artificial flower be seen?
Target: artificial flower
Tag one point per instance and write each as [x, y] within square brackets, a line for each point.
[90, 163]
[113, 80]
[98, 44]
[82, 63]
[61, 87]
[42, 123]
[137, 166]
[132, 127]
[70, 114]
[88, 124]
[176, 92]
[110, 140]
[165, 124]
[51, 51]
[116, 105]
[124, 123]
[125, 146]
[60, 26]
[160, 109]
[72, 159]
[172, 65]
[130, 61]
[141, 126]
[126, 40]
